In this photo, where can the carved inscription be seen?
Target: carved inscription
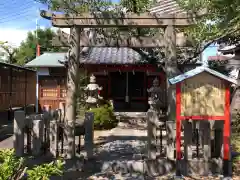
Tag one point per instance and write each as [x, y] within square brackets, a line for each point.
[202, 97]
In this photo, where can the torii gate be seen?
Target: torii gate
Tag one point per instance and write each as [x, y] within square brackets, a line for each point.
[106, 20]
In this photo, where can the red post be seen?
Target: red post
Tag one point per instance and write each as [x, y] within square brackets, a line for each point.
[178, 120]
[38, 50]
[226, 130]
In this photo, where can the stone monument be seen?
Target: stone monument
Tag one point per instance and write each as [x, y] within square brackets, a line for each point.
[154, 99]
[153, 117]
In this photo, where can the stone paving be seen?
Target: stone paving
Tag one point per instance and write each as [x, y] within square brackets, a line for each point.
[122, 146]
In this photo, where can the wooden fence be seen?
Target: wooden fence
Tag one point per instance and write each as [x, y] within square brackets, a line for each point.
[17, 86]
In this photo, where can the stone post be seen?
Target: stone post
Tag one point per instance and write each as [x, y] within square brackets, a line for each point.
[89, 134]
[18, 133]
[187, 140]
[70, 139]
[151, 134]
[46, 121]
[38, 128]
[171, 136]
[53, 138]
[205, 128]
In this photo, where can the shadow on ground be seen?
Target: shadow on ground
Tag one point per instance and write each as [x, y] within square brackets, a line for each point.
[116, 149]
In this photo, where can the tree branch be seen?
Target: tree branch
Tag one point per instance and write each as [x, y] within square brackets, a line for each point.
[196, 54]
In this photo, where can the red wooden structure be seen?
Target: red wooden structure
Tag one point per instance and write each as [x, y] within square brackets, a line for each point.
[225, 116]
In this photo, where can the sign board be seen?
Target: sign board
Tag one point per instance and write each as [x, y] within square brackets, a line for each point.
[203, 95]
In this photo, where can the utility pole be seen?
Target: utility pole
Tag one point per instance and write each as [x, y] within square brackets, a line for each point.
[37, 42]
[37, 54]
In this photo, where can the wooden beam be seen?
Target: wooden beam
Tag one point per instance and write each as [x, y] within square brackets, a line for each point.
[104, 20]
[145, 42]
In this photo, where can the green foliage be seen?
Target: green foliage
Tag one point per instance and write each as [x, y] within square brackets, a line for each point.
[8, 51]
[104, 117]
[27, 50]
[236, 139]
[44, 171]
[236, 122]
[137, 6]
[224, 15]
[12, 167]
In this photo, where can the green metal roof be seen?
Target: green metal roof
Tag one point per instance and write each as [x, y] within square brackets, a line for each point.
[47, 59]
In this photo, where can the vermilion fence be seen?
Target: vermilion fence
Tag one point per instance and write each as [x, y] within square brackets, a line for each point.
[17, 86]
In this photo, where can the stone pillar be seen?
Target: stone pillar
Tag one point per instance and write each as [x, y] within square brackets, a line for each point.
[205, 128]
[18, 133]
[70, 139]
[28, 125]
[46, 131]
[151, 134]
[53, 138]
[171, 136]
[187, 140]
[89, 134]
[217, 127]
[37, 141]
[218, 138]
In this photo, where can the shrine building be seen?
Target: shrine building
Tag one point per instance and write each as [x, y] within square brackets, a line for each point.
[121, 72]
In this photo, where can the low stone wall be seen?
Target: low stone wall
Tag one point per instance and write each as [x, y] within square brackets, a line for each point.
[46, 132]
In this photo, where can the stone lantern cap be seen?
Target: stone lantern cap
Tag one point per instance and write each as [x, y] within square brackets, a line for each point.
[93, 86]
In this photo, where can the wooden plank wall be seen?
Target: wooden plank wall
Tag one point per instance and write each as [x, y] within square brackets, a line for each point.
[17, 87]
[52, 91]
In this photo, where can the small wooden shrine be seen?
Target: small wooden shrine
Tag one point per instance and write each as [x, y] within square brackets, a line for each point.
[203, 94]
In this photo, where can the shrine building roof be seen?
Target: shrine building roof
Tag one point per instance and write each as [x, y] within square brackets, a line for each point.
[96, 55]
[199, 70]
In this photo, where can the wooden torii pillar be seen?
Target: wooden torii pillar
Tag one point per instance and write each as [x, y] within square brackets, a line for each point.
[130, 20]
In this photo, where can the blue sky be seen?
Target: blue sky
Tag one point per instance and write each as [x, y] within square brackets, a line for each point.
[17, 17]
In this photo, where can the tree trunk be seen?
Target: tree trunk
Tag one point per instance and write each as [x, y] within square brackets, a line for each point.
[72, 84]
[171, 70]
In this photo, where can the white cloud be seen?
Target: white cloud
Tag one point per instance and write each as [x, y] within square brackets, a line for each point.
[13, 36]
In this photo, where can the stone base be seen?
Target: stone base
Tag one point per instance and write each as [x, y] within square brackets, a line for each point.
[201, 167]
[151, 168]
[164, 166]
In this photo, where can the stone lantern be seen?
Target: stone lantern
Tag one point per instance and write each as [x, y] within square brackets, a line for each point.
[154, 99]
[92, 92]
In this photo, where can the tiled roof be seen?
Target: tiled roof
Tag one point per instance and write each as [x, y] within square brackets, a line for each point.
[167, 6]
[95, 56]
[109, 55]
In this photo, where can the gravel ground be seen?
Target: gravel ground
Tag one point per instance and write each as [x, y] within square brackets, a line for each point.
[120, 150]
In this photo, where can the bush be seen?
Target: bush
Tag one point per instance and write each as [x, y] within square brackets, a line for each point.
[236, 140]
[12, 167]
[104, 117]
